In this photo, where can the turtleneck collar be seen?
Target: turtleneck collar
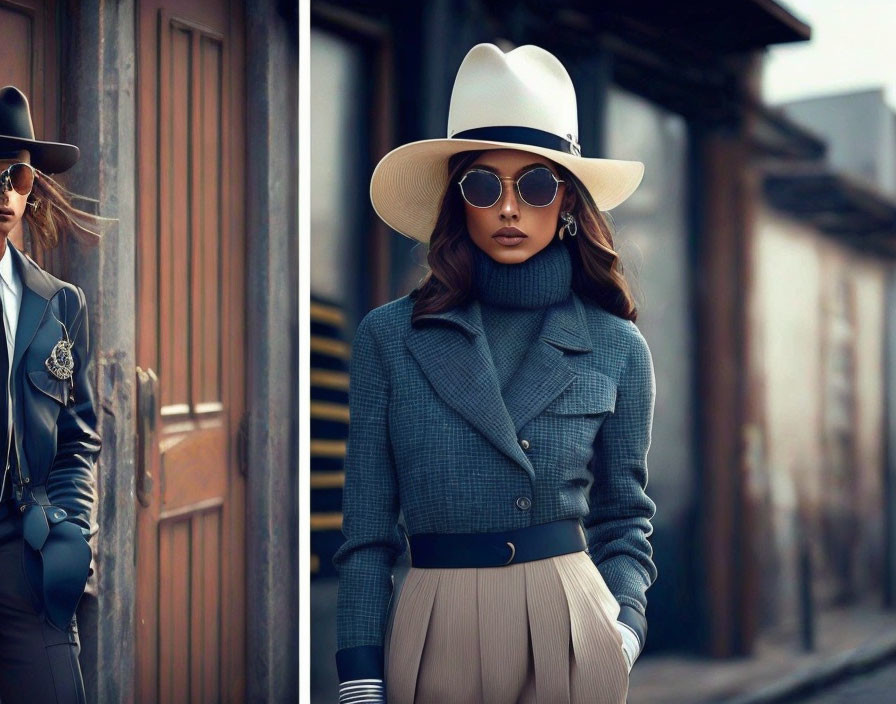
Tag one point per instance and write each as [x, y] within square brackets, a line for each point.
[542, 280]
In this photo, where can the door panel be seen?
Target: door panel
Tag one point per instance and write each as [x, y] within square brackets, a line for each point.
[190, 564]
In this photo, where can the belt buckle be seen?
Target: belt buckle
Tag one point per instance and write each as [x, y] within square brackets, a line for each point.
[512, 553]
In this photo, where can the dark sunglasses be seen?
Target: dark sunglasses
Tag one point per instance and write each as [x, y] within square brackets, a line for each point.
[18, 176]
[536, 187]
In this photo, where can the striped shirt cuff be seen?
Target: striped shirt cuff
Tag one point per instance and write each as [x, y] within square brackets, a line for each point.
[630, 643]
[636, 621]
[366, 691]
[630, 637]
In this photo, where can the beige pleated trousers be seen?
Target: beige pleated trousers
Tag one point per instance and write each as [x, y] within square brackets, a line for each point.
[541, 631]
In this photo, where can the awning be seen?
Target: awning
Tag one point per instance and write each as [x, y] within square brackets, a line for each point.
[721, 26]
[691, 57]
[852, 210]
[777, 136]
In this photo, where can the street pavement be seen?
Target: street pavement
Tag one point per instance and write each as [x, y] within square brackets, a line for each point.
[875, 687]
[850, 642]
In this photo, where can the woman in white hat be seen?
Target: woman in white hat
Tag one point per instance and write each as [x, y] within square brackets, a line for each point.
[504, 408]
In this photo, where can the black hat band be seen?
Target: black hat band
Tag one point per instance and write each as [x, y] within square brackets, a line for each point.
[522, 135]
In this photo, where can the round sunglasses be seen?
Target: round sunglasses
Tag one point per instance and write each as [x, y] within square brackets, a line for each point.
[536, 187]
[18, 176]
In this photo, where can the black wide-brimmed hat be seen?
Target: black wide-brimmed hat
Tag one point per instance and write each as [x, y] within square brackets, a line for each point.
[17, 132]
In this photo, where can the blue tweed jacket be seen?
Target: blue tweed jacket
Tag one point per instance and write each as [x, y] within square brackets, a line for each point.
[431, 434]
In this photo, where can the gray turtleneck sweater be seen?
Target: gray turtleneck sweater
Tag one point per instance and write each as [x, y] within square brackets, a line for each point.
[513, 299]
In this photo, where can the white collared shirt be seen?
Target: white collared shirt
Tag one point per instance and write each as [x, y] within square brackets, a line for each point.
[11, 290]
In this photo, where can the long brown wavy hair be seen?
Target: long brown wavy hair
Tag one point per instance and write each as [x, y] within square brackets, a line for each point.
[597, 273]
[52, 218]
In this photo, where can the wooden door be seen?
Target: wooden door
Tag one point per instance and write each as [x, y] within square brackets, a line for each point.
[190, 350]
[28, 62]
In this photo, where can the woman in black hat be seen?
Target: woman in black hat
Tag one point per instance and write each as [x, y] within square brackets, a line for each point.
[47, 422]
[46, 205]
[504, 409]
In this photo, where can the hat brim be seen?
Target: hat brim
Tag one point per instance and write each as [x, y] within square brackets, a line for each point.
[49, 157]
[408, 183]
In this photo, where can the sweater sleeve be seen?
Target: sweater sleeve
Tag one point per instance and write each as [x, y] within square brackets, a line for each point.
[370, 510]
[618, 522]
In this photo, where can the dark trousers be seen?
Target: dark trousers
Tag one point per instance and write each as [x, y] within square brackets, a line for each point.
[38, 662]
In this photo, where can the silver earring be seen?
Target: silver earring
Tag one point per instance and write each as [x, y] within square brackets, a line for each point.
[569, 224]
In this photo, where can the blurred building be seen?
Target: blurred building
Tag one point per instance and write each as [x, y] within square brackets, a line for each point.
[860, 131]
[823, 275]
[671, 86]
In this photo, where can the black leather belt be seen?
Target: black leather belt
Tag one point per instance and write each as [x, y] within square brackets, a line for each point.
[537, 542]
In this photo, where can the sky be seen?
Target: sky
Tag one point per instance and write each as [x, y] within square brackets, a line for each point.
[853, 47]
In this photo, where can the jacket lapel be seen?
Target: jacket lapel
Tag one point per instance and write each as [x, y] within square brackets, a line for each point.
[453, 353]
[37, 290]
[545, 371]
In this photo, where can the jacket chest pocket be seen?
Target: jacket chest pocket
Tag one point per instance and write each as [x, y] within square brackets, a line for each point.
[590, 394]
[575, 416]
[49, 385]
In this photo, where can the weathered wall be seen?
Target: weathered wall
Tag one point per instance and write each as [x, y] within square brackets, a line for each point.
[97, 70]
[272, 332]
[798, 330]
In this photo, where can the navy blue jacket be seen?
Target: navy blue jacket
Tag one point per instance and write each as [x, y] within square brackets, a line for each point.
[56, 440]
[431, 435]
[55, 422]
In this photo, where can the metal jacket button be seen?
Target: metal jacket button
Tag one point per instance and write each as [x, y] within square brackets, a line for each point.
[524, 444]
[523, 503]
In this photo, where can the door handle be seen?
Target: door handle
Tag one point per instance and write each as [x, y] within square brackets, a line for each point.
[147, 411]
[242, 445]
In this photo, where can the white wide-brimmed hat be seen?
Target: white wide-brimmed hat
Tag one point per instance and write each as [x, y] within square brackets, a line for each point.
[523, 99]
